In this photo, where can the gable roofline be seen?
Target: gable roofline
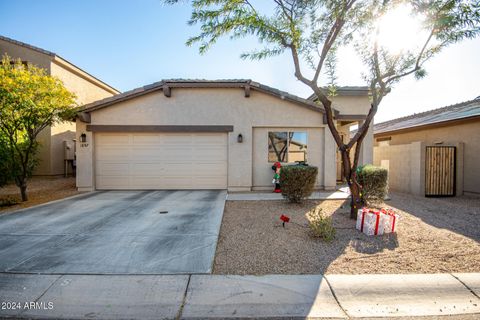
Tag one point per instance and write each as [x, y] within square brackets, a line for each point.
[66, 64]
[455, 112]
[166, 85]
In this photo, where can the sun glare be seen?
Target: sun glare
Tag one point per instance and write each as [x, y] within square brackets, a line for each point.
[400, 30]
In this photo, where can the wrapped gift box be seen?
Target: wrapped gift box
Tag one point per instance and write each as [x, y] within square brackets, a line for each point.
[376, 222]
[391, 222]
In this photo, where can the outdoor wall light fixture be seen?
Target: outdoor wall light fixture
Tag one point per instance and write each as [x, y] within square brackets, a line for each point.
[240, 138]
[83, 137]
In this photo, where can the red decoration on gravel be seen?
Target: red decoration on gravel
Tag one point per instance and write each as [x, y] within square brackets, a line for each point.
[284, 219]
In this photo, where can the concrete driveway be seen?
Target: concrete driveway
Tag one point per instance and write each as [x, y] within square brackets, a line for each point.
[115, 232]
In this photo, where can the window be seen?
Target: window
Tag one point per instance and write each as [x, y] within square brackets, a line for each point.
[23, 63]
[287, 146]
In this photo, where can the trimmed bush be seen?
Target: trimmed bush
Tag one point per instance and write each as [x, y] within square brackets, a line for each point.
[297, 181]
[374, 181]
[320, 225]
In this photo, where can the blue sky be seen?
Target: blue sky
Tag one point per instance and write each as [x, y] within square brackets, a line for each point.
[132, 43]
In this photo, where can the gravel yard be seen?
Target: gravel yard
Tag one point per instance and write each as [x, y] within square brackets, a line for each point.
[433, 235]
[40, 190]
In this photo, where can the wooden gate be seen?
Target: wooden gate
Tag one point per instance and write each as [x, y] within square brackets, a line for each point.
[440, 168]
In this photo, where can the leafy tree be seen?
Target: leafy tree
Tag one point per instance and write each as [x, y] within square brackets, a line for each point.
[5, 174]
[30, 101]
[311, 31]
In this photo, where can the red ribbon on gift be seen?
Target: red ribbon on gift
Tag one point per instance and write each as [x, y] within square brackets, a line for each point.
[390, 212]
[377, 222]
[363, 219]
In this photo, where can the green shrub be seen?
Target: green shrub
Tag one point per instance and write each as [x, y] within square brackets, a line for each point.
[297, 181]
[320, 225]
[374, 181]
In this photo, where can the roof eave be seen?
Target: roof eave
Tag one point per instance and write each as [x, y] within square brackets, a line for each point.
[83, 74]
[428, 125]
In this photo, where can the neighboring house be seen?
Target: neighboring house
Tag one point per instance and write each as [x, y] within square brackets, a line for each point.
[86, 87]
[401, 145]
[199, 134]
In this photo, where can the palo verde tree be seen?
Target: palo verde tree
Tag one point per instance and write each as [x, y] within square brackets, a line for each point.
[311, 32]
[30, 101]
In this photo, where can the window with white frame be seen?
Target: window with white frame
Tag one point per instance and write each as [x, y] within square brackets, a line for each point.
[287, 146]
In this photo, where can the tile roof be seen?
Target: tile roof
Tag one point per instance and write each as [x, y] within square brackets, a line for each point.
[201, 83]
[457, 111]
[53, 55]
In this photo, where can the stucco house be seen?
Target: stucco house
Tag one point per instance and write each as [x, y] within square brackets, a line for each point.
[86, 87]
[200, 134]
[404, 145]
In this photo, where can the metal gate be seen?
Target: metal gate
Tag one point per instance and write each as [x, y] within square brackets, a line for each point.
[440, 168]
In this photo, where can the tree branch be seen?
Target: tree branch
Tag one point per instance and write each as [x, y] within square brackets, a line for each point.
[418, 62]
[331, 38]
[296, 63]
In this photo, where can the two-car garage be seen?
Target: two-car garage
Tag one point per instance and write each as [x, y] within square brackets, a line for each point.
[146, 160]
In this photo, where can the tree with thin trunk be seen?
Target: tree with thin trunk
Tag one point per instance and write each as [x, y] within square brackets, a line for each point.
[311, 32]
[30, 101]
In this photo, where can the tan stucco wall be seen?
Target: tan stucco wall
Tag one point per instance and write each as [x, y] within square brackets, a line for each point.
[219, 107]
[85, 91]
[44, 139]
[467, 133]
[351, 104]
[60, 132]
[18, 52]
[406, 166]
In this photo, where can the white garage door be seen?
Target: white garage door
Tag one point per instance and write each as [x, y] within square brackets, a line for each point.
[161, 160]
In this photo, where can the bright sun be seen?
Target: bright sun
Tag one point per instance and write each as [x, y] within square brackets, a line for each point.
[400, 30]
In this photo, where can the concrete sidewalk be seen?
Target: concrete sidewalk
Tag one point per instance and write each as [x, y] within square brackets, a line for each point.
[252, 196]
[216, 296]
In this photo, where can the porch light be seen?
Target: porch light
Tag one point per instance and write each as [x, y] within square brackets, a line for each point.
[240, 138]
[83, 137]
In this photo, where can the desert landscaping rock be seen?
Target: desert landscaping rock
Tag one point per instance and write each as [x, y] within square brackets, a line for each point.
[433, 236]
[272, 296]
[40, 190]
[407, 295]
